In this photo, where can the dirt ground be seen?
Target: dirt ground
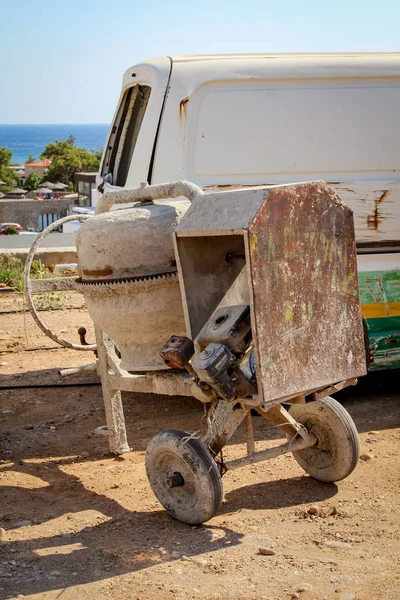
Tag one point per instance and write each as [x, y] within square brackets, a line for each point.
[93, 528]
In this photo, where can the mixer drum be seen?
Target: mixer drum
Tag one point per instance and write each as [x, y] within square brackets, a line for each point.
[128, 273]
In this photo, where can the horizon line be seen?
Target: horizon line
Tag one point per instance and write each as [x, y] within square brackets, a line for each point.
[1, 124]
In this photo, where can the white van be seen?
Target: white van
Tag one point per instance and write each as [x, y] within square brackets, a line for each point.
[242, 120]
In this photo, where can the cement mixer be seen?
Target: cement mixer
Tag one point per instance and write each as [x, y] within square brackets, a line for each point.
[245, 299]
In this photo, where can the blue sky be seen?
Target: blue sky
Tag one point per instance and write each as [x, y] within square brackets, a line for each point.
[62, 62]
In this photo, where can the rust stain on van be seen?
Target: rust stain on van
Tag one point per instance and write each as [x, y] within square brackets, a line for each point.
[182, 107]
[374, 219]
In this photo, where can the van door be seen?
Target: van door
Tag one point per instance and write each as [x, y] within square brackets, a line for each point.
[128, 153]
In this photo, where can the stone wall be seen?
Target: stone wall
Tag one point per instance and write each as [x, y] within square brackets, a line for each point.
[26, 211]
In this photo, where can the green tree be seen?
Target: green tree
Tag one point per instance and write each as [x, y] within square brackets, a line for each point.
[67, 159]
[30, 158]
[32, 182]
[6, 174]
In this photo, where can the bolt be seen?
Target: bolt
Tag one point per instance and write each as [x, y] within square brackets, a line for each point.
[175, 480]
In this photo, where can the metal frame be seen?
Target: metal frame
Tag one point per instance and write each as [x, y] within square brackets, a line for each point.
[224, 417]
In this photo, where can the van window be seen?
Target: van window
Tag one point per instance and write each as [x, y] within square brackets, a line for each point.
[268, 129]
[124, 133]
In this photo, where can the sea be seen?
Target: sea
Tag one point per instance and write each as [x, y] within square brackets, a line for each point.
[24, 140]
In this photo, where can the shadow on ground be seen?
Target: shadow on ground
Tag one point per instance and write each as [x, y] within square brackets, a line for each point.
[125, 541]
[128, 541]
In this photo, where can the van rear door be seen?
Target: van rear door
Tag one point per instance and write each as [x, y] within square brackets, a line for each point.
[128, 153]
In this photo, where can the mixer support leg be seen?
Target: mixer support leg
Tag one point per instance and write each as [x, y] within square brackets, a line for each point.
[223, 420]
[115, 419]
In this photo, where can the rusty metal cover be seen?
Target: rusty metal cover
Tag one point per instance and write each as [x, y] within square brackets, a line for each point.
[305, 290]
[302, 280]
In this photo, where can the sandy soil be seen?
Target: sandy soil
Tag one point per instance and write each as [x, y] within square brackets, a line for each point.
[95, 530]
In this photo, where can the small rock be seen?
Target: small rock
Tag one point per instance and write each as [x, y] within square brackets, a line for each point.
[366, 456]
[55, 574]
[52, 427]
[266, 551]
[3, 534]
[334, 510]
[85, 454]
[304, 587]
[295, 596]
[326, 561]
[29, 426]
[373, 432]
[337, 544]
[23, 524]
[347, 596]
[313, 510]
[7, 412]
[200, 561]
[176, 555]
[3, 364]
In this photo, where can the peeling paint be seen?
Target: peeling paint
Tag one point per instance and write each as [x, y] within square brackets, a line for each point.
[375, 204]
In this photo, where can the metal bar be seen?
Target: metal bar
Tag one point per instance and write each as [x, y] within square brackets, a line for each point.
[162, 382]
[281, 418]
[118, 442]
[56, 284]
[76, 370]
[270, 453]
[249, 434]
[335, 388]
[301, 399]
[225, 419]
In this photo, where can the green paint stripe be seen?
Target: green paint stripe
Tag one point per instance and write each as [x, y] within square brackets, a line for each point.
[386, 326]
[379, 286]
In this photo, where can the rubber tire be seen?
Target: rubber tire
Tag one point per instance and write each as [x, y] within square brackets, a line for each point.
[337, 451]
[200, 498]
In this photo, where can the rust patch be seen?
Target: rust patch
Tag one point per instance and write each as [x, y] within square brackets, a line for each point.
[98, 272]
[374, 219]
[182, 107]
[305, 291]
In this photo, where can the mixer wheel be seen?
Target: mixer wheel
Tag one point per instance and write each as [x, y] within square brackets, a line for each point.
[183, 476]
[337, 450]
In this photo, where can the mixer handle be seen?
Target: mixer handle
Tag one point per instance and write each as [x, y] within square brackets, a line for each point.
[53, 284]
[145, 193]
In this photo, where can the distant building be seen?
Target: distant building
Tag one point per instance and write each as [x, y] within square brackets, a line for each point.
[33, 214]
[19, 172]
[18, 169]
[86, 188]
[39, 167]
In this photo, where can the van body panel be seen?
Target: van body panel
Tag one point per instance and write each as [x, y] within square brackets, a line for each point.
[272, 119]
